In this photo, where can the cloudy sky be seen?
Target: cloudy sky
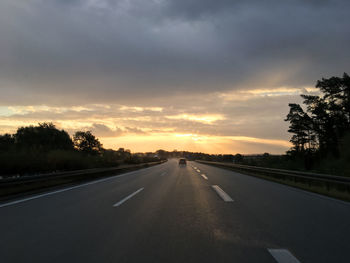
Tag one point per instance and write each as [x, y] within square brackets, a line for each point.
[198, 75]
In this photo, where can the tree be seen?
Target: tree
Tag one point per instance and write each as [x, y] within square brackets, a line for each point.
[330, 112]
[86, 142]
[301, 126]
[328, 120]
[266, 155]
[238, 158]
[124, 154]
[7, 142]
[337, 93]
[44, 137]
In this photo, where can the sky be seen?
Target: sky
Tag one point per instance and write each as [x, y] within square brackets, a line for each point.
[196, 75]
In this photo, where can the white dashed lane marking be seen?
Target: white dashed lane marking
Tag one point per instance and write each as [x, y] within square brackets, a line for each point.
[283, 256]
[128, 197]
[204, 176]
[222, 193]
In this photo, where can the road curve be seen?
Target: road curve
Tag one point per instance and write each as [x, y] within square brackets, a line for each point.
[168, 213]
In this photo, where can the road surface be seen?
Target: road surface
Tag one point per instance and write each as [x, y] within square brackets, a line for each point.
[167, 213]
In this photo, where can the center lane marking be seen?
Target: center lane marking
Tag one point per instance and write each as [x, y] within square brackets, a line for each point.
[128, 197]
[222, 193]
[283, 256]
[204, 176]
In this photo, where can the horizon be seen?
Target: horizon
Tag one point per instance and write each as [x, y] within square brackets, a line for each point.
[118, 146]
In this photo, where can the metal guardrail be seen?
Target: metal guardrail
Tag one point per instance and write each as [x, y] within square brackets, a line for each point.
[328, 180]
[10, 186]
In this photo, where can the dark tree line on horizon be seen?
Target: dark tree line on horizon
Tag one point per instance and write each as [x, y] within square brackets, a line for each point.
[46, 137]
[44, 148]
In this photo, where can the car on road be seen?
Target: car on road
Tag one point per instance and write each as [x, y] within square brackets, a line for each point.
[182, 161]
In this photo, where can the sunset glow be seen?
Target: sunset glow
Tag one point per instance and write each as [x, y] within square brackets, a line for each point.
[194, 142]
[148, 128]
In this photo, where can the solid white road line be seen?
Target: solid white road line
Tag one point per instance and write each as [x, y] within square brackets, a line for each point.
[204, 176]
[222, 193]
[128, 197]
[68, 189]
[283, 256]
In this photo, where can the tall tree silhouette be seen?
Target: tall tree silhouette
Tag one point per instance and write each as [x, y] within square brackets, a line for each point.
[329, 118]
[301, 126]
[85, 141]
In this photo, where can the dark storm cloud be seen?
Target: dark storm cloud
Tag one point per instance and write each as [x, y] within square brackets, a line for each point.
[195, 9]
[107, 51]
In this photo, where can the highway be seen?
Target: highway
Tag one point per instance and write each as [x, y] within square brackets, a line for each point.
[167, 213]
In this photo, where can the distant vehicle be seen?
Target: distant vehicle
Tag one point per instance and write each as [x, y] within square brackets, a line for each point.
[182, 161]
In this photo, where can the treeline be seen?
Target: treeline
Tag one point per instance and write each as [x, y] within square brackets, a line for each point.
[44, 148]
[265, 159]
[195, 156]
[321, 132]
[227, 158]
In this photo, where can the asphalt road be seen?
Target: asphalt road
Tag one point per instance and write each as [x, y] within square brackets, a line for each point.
[168, 213]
